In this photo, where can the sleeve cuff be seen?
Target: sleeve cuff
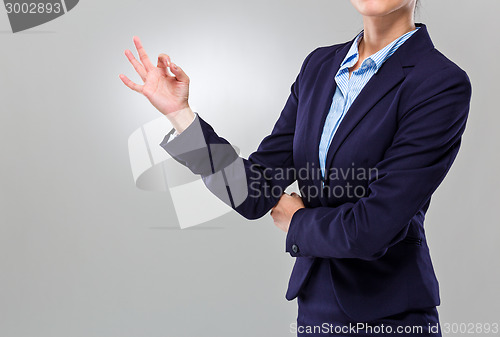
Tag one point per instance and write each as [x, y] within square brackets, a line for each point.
[292, 245]
[189, 148]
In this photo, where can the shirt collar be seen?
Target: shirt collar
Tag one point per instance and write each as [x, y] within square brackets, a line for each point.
[376, 59]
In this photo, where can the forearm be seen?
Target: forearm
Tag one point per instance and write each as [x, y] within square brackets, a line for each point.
[249, 186]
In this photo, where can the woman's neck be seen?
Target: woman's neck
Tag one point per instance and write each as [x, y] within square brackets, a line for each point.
[379, 31]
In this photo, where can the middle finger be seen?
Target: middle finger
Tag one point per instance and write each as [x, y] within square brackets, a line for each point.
[142, 54]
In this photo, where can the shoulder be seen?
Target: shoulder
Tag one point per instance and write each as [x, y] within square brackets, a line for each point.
[316, 58]
[437, 81]
[323, 53]
[435, 68]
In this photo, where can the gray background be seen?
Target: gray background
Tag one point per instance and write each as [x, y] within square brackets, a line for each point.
[83, 252]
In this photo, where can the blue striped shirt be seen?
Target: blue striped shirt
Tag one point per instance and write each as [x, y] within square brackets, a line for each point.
[349, 88]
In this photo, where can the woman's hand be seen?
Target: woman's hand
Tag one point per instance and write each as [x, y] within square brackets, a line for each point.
[283, 211]
[169, 94]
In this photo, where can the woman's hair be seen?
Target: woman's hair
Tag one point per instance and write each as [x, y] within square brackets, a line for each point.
[417, 3]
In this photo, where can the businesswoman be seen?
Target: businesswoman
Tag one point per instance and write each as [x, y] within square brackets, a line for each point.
[369, 131]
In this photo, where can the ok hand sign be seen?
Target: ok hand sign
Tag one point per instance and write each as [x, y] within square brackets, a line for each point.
[169, 94]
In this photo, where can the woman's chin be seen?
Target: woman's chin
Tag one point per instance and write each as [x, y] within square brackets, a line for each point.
[376, 10]
[377, 7]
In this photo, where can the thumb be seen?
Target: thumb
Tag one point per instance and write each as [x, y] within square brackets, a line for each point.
[179, 73]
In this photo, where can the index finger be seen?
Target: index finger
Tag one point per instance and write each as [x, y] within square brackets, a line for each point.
[142, 54]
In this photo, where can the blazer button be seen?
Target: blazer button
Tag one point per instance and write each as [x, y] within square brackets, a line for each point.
[295, 248]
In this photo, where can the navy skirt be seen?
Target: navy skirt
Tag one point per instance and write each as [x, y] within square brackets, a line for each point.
[321, 315]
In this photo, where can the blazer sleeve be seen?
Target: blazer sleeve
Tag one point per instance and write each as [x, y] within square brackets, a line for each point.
[423, 149]
[250, 186]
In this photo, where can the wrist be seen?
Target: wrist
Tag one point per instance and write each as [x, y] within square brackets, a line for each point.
[181, 119]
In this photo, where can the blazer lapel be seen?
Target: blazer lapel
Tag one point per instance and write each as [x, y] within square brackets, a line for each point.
[326, 78]
[389, 75]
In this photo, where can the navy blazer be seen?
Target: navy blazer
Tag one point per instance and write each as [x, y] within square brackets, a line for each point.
[406, 124]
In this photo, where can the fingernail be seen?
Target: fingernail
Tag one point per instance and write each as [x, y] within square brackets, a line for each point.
[173, 65]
